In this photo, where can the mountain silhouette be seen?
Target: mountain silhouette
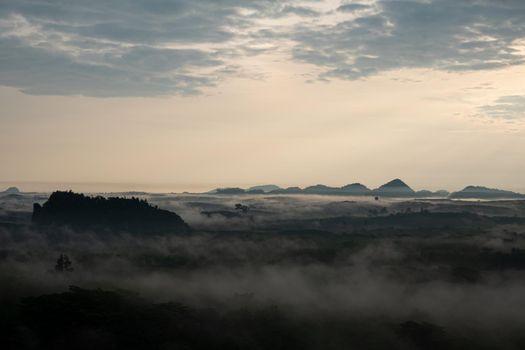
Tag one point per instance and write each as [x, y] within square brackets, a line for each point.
[264, 188]
[98, 213]
[11, 190]
[482, 192]
[355, 189]
[230, 190]
[255, 191]
[396, 183]
[394, 188]
[288, 190]
[321, 189]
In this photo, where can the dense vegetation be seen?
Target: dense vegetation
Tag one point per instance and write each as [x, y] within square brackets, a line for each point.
[117, 214]
[87, 319]
[268, 273]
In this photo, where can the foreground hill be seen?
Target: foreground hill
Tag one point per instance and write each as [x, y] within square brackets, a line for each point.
[116, 214]
[485, 193]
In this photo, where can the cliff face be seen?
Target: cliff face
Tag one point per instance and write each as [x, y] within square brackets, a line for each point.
[115, 214]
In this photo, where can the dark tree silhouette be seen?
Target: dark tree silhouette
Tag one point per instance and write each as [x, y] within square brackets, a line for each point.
[241, 207]
[118, 214]
[63, 264]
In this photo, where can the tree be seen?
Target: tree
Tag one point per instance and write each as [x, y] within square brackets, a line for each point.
[241, 207]
[63, 264]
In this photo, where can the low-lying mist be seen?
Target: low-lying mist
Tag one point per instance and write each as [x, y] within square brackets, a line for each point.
[466, 281]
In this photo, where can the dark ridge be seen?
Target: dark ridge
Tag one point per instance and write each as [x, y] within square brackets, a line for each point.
[11, 190]
[396, 183]
[264, 188]
[356, 188]
[394, 188]
[116, 214]
[259, 191]
[485, 193]
[321, 189]
[289, 190]
[230, 190]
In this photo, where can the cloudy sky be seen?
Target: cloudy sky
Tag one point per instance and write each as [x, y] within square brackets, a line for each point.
[193, 94]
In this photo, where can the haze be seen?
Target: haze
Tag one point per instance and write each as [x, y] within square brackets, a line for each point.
[192, 95]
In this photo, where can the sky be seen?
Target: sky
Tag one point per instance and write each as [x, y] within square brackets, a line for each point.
[195, 94]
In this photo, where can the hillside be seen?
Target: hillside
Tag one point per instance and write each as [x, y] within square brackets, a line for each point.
[116, 214]
[485, 193]
[264, 188]
[394, 188]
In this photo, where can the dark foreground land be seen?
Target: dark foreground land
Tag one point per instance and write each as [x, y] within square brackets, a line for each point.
[265, 272]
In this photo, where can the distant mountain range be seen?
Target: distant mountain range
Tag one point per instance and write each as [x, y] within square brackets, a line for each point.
[264, 188]
[485, 193]
[394, 188]
[11, 190]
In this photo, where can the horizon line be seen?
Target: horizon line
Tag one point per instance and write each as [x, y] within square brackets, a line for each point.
[203, 188]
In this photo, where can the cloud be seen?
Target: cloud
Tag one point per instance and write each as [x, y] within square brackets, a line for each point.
[299, 11]
[446, 35]
[352, 7]
[136, 71]
[161, 47]
[124, 48]
[506, 107]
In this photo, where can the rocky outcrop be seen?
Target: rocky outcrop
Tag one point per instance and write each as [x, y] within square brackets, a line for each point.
[114, 214]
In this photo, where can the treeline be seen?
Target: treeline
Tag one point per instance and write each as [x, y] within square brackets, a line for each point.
[118, 214]
[91, 319]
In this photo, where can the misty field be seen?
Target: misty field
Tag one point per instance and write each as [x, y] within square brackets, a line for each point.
[271, 272]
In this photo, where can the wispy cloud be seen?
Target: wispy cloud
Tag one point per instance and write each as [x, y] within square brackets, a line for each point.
[150, 48]
[506, 107]
[436, 34]
[123, 48]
